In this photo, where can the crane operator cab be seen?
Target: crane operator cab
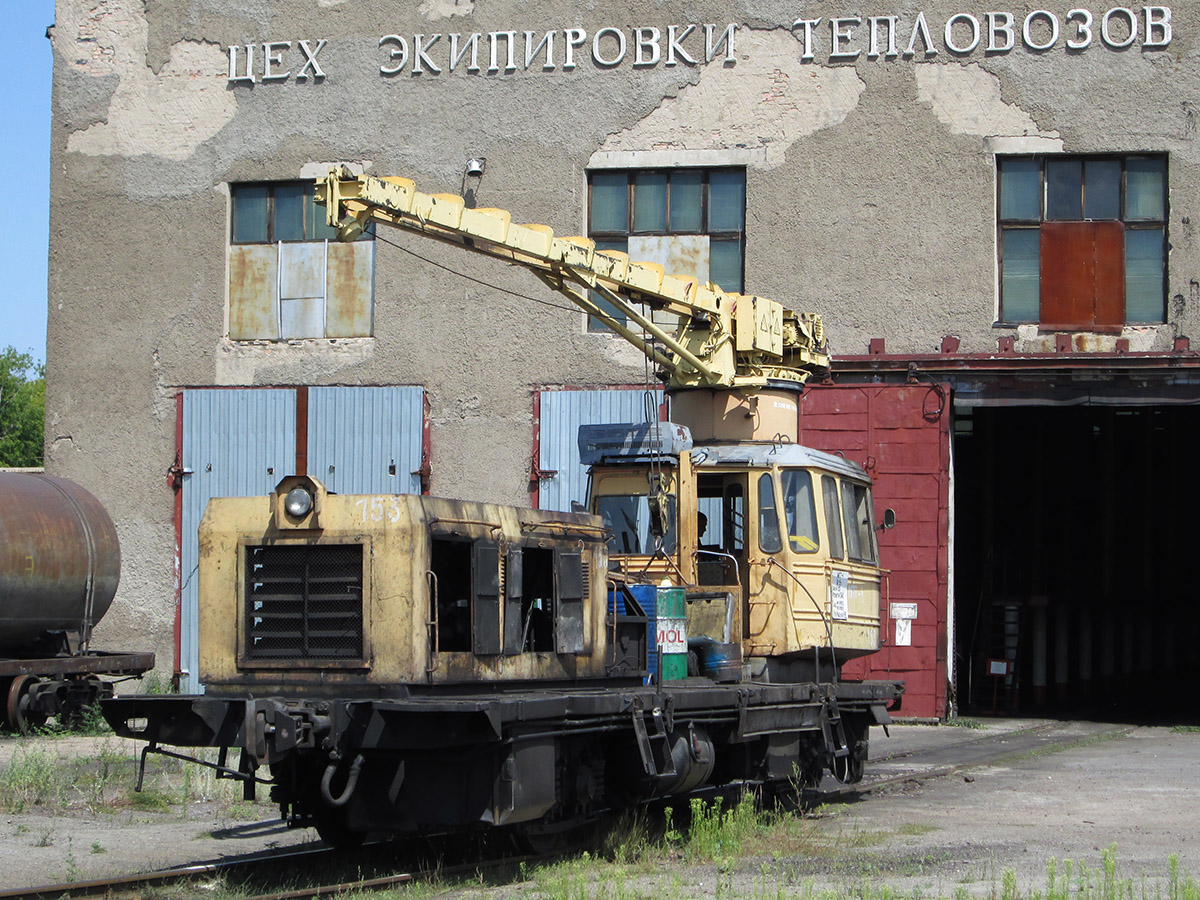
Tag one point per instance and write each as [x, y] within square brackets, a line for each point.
[774, 543]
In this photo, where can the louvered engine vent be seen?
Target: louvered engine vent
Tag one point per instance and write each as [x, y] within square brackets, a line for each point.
[304, 602]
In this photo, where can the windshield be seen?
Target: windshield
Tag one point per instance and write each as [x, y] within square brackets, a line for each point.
[627, 519]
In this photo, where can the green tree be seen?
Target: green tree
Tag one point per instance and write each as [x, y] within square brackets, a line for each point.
[22, 408]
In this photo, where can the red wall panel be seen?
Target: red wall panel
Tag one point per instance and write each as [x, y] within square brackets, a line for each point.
[900, 435]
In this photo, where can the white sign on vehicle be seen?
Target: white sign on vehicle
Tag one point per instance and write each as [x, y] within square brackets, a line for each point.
[839, 599]
[672, 635]
[904, 610]
[904, 632]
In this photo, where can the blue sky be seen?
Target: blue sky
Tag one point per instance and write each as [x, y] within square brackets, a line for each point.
[25, 161]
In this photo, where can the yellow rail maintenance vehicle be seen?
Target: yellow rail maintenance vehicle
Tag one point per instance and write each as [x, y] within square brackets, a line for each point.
[410, 664]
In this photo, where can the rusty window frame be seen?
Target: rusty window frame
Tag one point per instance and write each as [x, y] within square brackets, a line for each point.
[1022, 223]
[609, 239]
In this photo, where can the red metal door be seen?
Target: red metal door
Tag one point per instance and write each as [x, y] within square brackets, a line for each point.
[900, 434]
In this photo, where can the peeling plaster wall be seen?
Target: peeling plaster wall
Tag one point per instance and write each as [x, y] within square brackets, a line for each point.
[871, 192]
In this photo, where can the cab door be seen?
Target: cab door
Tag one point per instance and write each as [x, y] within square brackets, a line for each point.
[769, 628]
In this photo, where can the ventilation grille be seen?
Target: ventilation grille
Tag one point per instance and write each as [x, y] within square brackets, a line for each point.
[304, 602]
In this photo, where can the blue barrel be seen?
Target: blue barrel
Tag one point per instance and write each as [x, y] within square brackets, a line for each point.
[721, 662]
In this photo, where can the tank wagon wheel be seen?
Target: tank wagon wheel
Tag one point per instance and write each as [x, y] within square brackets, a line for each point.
[21, 716]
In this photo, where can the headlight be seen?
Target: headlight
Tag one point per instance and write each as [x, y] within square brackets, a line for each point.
[298, 503]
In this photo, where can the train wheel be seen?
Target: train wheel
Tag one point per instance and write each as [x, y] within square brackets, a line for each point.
[20, 713]
[548, 839]
[333, 830]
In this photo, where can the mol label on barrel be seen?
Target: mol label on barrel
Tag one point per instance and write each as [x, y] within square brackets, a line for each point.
[672, 635]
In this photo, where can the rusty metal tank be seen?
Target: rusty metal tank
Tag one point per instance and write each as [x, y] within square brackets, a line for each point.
[60, 561]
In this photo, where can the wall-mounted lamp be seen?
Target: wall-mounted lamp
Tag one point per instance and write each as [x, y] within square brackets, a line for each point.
[476, 165]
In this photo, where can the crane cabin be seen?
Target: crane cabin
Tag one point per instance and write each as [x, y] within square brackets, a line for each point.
[774, 543]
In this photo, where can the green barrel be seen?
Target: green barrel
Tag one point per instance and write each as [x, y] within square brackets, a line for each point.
[671, 609]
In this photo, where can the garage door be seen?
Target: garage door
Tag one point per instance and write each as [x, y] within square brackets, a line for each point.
[900, 434]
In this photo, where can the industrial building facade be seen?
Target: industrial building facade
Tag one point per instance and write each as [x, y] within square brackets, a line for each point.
[992, 210]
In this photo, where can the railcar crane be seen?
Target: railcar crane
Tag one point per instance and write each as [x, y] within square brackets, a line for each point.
[415, 664]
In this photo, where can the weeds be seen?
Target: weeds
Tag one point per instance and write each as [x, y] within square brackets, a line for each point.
[151, 800]
[587, 878]
[717, 833]
[30, 779]
[964, 722]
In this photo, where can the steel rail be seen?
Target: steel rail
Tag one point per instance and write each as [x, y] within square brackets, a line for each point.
[979, 752]
[133, 883]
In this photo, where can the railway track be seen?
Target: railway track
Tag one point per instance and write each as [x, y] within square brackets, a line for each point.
[919, 757]
[270, 869]
[922, 759]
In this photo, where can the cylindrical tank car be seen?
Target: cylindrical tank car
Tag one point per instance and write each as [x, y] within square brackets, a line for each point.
[60, 563]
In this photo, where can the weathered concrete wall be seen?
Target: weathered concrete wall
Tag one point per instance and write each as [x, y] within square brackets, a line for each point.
[871, 193]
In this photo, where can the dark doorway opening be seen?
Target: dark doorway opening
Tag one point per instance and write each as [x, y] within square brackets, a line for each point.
[1073, 543]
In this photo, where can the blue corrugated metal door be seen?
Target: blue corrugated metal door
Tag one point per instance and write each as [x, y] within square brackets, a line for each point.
[366, 440]
[236, 443]
[562, 412]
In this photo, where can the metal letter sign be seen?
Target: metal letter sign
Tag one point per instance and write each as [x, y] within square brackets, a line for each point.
[839, 589]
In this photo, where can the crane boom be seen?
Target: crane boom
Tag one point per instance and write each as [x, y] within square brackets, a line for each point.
[723, 339]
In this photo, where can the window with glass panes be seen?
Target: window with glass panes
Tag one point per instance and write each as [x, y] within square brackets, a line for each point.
[690, 221]
[279, 211]
[289, 276]
[1082, 240]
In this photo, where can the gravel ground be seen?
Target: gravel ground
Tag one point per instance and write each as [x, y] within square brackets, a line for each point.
[1140, 792]
[935, 836]
[84, 834]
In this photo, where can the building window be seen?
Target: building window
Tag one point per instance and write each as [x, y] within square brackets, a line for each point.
[289, 276]
[1082, 240]
[690, 221]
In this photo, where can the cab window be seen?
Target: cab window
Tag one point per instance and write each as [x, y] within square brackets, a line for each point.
[860, 530]
[800, 510]
[768, 518]
[627, 518]
[833, 516]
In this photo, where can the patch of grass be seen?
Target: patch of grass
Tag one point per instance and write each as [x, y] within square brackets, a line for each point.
[151, 800]
[1185, 729]
[965, 722]
[31, 778]
[154, 683]
[914, 828]
[92, 722]
[1050, 749]
[717, 833]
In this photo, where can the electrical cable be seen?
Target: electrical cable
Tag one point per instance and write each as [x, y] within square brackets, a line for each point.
[479, 281]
